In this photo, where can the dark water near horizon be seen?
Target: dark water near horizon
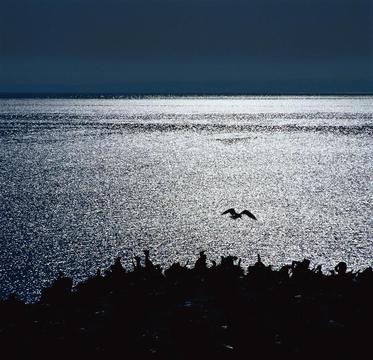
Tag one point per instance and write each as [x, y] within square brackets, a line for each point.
[85, 180]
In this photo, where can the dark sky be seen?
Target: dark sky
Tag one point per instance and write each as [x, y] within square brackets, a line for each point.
[186, 46]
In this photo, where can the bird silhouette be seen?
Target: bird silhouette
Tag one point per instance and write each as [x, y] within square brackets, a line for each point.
[235, 215]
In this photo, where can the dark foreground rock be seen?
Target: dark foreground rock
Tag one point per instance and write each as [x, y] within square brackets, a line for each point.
[216, 312]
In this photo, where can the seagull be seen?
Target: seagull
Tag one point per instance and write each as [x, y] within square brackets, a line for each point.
[235, 215]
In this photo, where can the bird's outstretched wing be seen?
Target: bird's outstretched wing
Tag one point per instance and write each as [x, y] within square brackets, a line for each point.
[249, 214]
[229, 211]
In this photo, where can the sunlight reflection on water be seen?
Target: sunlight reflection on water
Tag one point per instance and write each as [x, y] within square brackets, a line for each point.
[86, 180]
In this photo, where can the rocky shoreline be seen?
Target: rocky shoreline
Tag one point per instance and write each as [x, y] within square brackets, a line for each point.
[208, 311]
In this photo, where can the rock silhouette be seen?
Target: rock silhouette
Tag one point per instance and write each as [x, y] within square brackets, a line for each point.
[220, 311]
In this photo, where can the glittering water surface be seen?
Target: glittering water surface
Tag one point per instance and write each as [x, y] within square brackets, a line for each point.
[83, 181]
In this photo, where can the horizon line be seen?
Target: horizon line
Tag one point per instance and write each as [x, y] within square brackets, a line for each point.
[83, 95]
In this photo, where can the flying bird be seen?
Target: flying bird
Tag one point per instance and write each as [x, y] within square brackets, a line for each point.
[235, 215]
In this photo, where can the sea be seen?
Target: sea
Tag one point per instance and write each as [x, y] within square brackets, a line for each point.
[84, 181]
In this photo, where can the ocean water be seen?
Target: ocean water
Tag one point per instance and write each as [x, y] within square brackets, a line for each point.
[83, 181]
